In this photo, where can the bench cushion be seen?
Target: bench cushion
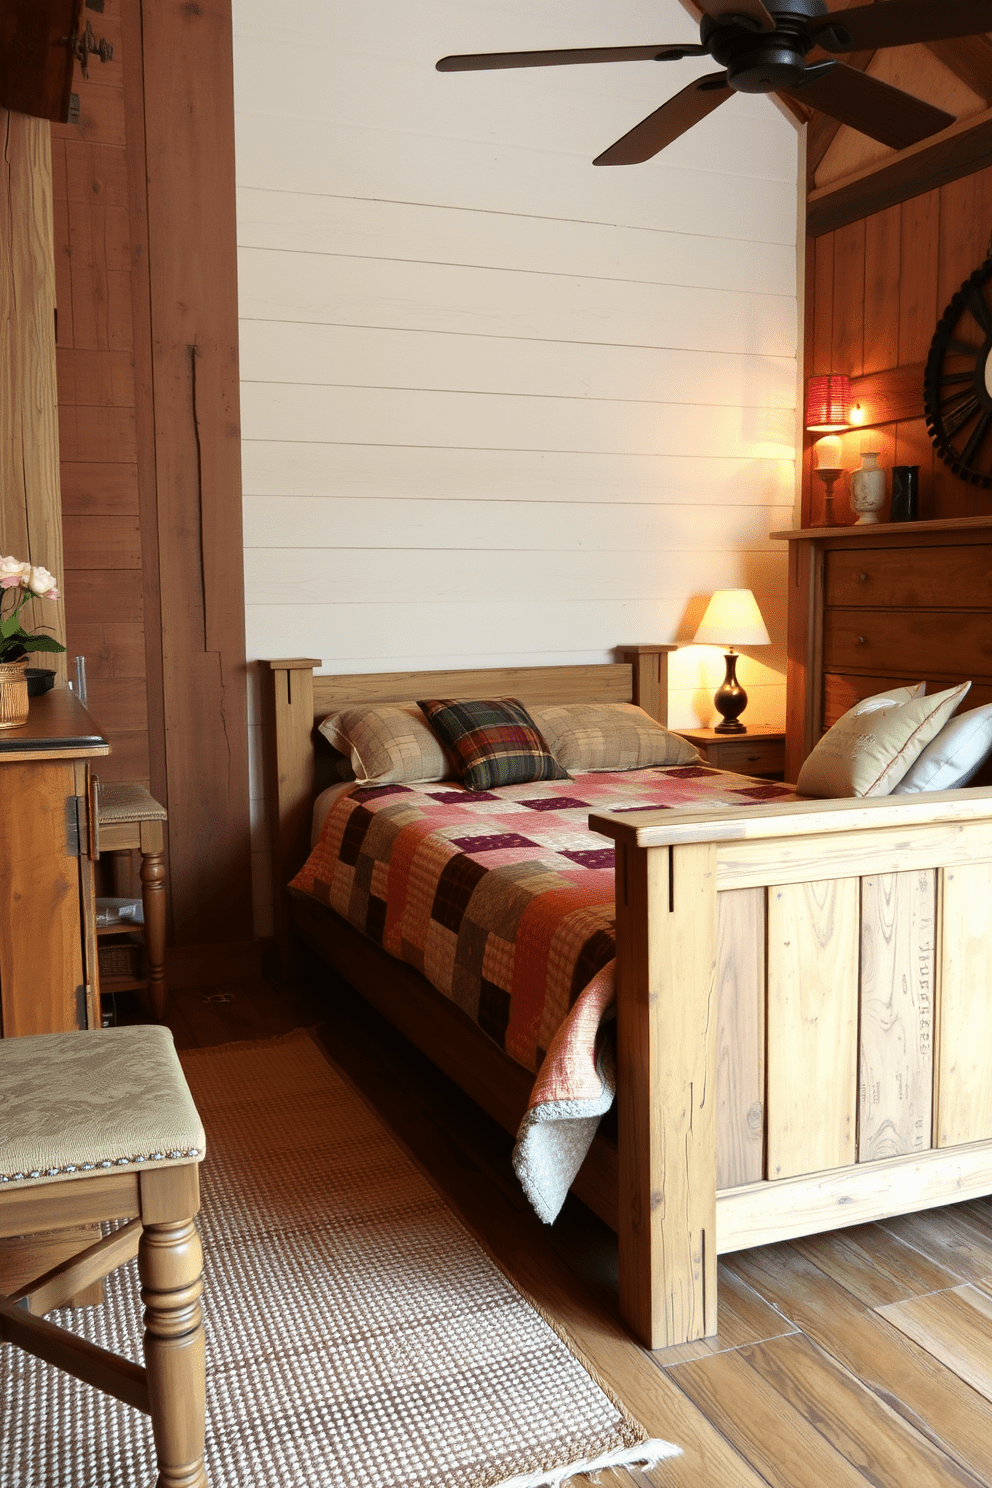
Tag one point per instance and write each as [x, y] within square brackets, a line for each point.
[73, 1105]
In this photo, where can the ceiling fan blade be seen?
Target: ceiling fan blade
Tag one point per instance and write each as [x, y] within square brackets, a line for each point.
[748, 10]
[900, 23]
[869, 105]
[668, 122]
[487, 61]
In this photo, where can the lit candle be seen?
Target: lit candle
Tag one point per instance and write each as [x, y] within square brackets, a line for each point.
[827, 453]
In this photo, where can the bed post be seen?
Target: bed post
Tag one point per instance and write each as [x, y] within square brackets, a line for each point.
[649, 666]
[287, 730]
[666, 1084]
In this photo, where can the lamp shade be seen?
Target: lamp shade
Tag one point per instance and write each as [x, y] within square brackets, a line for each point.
[827, 402]
[732, 618]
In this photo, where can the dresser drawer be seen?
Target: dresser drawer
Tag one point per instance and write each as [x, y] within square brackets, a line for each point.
[910, 578]
[917, 642]
[840, 692]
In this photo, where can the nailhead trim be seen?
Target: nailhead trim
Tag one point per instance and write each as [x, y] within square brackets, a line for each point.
[106, 1162]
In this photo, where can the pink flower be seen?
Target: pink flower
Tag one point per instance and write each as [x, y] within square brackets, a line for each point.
[13, 572]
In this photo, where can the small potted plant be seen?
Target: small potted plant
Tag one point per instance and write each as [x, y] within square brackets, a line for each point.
[20, 582]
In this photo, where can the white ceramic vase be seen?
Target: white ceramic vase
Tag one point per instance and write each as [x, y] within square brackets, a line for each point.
[868, 489]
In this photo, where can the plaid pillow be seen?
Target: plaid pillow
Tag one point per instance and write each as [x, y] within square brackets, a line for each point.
[494, 742]
[388, 743]
[609, 736]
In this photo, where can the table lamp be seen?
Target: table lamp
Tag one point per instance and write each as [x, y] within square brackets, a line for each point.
[827, 400]
[732, 619]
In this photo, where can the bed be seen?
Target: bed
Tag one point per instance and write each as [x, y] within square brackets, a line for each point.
[803, 1010]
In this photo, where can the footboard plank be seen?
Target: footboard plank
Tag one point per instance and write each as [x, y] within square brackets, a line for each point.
[666, 1068]
[964, 1019]
[764, 1213]
[813, 933]
[898, 948]
[740, 1081]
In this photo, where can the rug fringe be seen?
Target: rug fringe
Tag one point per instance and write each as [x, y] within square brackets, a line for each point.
[646, 1454]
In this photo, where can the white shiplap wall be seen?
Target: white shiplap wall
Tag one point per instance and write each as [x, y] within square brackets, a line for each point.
[499, 405]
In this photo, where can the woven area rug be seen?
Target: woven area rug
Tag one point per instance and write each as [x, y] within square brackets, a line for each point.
[357, 1335]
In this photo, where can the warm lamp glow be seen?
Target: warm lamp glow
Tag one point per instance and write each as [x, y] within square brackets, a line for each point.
[732, 618]
[827, 400]
[826, 453]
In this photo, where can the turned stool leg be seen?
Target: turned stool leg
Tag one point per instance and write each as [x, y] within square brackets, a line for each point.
[170, 1264]
[153, 906]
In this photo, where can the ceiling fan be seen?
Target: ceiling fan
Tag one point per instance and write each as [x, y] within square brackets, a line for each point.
[763, 49]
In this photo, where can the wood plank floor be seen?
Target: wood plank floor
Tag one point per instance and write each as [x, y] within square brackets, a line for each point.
[858, 1357]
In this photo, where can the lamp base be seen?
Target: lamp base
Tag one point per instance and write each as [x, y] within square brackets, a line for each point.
[829, 479]
[730, 699]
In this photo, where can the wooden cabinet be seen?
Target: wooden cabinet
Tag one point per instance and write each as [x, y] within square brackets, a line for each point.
[760, 752]
[876, 606]
[48, 973]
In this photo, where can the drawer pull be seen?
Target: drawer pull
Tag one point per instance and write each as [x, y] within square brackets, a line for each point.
[862, 641]
[862, 578]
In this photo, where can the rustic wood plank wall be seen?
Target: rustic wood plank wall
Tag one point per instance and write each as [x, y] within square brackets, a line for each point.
[875, 290]
[148, 412]
[29, 483]
[96, 383]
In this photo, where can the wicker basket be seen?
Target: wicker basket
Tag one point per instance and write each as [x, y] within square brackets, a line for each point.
[120, 959]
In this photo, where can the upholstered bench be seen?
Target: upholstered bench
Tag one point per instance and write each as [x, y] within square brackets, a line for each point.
[95, 1126]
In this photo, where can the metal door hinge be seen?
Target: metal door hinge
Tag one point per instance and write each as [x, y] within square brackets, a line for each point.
[84, 45]
[76, 833]
[82, 1007]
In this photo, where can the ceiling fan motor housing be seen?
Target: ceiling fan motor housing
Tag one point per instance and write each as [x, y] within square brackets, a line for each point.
[763, 61]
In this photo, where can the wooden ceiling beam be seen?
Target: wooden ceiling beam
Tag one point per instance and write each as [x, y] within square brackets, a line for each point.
[963, 148]
[970, 59]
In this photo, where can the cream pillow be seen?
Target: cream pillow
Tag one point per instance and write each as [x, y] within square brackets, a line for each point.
[870, 749]
[388, 744]
[954, 757]
[609, 736]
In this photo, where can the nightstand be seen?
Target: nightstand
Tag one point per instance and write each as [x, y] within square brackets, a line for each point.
[760, 752]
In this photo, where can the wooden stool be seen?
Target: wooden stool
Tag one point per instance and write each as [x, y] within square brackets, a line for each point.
[128, 817]
[100, 1125]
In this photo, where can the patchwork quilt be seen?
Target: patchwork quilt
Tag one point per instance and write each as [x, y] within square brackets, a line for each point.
[504, 900]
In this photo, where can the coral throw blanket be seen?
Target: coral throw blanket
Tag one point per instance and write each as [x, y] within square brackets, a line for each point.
[503, 899]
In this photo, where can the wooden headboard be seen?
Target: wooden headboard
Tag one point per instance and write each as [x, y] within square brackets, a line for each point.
[294, 701]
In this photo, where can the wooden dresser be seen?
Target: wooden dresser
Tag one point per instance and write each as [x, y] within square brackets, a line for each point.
[48, 968]
[875, 606]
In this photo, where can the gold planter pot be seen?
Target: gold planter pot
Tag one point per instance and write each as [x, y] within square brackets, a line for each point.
[13, 693]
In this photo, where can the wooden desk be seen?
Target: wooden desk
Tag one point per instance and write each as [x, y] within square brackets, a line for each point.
[48, 966]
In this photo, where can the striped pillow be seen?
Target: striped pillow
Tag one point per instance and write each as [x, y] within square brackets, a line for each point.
[494, 741]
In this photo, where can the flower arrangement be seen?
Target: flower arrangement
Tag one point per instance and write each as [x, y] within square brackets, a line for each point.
[25, 582]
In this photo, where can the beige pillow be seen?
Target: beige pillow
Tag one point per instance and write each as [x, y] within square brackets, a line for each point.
[609, 736]
[870, 749]
[388, 744]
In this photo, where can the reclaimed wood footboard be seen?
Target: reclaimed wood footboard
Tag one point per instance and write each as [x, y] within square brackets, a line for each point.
[804, 1025]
